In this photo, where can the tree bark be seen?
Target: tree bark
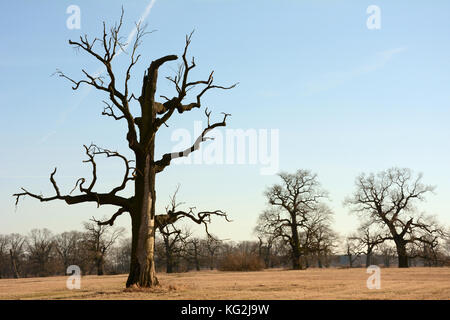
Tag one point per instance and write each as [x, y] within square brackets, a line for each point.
[211, 261]
[142, 267]
[296, 264]
[368, 259]
[402, 255]
[100, 265]
[169, 264]
[15, 271]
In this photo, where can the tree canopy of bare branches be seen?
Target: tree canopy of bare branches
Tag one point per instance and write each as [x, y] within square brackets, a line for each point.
[141, 133]
[99, 240]
[388, 199]
[293, 204]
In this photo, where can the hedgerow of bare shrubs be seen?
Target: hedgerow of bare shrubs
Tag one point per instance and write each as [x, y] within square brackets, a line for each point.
[240, 262]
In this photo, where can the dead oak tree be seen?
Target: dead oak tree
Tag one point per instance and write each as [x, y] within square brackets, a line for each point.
[142, 130]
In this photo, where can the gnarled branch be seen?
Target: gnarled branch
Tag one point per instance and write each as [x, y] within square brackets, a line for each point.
[87, 194]
[183, 86]
[168, 157]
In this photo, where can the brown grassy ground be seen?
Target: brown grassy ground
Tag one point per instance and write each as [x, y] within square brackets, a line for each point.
[413, 283]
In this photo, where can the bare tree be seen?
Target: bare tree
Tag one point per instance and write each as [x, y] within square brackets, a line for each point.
[292, 205]
[3, 255]
[368, 238]
[316, 235]
[387, 199]
[387, 252]
[119, 256]
[431, 252]
[265, 244]
[173, 240]
[16, 252]
[212, 245]
[141, 134]
[40, 246]
[323, 244]
[69, 247]
[99, 239]
[351, 250]
[193, 251]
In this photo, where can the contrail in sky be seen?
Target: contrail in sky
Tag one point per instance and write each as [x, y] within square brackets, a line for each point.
[86, 90]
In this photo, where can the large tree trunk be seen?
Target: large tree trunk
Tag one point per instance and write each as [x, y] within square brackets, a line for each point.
[100, 264]
[295, 244]
[169, 264]
[296, 264]
[197, 264]
[368, 259]
[350, 260]
[15, 271]
[387, 260]
[211, 261]
[402, 255]
[142, 267]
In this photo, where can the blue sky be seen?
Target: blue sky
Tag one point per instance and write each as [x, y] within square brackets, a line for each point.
[344, 98]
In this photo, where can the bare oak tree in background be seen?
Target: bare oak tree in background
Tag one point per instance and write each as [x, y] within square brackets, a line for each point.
[387, 199]
[99, 239]
[322, 240]
[69, 248]
[40, 245]
[351, 250]
[173, 240]
[141, 133]
[16, 244]
[293, 203]
[367, 239]
[194, 251]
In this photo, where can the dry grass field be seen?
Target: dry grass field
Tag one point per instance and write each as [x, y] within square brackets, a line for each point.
[413, 283]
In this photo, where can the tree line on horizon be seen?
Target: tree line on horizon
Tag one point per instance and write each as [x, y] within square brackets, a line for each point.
[295, 232]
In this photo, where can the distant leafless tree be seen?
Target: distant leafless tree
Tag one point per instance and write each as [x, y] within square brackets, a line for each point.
[173, 240]
[194, 251]
[99, 239]
[69, 247]
[40, 244]
[119, 257]
[368, 238]
[387, 253]
[352, 252]
[324, 244]
[265, 244]
[317, 239]
[431, 252]
[387, 199]
[292, 205]
[212, 245]
[16, 244]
